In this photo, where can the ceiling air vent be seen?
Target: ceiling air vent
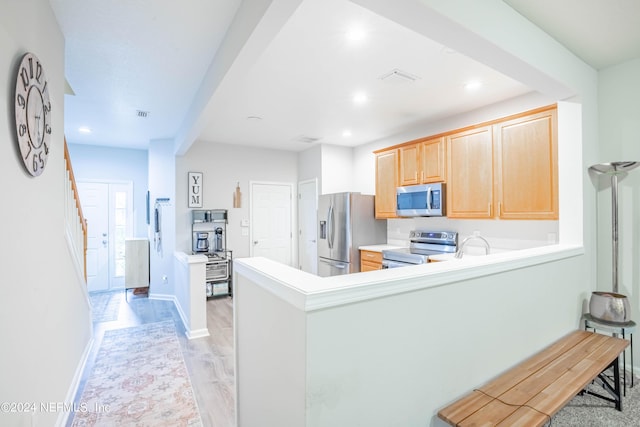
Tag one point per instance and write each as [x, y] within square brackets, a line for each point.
[306, 139]
[399, 76]
[142, 114]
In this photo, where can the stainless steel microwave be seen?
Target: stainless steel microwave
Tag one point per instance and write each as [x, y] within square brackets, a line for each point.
[420, 200]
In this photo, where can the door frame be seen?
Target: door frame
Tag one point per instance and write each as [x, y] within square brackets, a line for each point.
[313, 181]
[131, 227]
[294, 219]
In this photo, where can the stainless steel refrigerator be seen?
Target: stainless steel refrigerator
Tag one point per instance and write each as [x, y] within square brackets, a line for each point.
[346, 221]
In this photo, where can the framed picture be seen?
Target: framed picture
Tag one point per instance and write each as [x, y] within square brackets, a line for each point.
[195, 190]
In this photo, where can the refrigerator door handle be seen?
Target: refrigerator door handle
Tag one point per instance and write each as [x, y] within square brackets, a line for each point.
[331, 227]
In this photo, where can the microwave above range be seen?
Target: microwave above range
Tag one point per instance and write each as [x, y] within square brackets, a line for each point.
[421, 200]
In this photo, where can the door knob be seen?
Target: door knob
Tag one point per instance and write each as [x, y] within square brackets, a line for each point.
[104, 243]
[255, 242]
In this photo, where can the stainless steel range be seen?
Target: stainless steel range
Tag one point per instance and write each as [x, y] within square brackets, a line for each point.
[422, 244]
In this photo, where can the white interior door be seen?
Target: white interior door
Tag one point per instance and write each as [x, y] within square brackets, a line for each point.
[108, 208]
[271, 221]
[94, 198]
[308, 232]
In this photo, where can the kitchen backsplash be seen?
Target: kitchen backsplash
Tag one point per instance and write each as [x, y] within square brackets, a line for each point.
[502, 235]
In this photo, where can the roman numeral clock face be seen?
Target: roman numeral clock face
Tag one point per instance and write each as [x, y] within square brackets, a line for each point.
[33, 114]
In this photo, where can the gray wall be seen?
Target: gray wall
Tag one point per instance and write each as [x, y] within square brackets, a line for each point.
[44, 310]
[92, 163]
[223, 167]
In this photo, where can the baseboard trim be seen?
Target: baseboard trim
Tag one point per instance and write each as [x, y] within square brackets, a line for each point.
[63, 416]
[163, 297]
[198, 333]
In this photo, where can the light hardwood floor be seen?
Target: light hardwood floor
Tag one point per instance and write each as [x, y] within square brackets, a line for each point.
[210, 360]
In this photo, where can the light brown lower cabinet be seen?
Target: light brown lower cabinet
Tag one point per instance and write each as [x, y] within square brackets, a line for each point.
[370, 260]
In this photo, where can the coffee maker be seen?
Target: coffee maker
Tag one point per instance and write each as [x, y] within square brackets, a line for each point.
[200, 242]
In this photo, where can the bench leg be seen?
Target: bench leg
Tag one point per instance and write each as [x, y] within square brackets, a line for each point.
[616, 376]
[613, 390]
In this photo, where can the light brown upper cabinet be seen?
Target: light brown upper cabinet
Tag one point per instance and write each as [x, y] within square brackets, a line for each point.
[469, 192]
[507, 170]
[422, 162]
[526, 155]
[386, 183]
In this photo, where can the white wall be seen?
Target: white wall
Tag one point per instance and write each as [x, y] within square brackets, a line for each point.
[44, 311]
[162, 172]
[223, 166]
[619, 115]
[396, 361]
[337, 169]
[310, 164]
[95, 163]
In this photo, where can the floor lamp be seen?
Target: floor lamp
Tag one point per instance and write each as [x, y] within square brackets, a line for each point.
[612, 306]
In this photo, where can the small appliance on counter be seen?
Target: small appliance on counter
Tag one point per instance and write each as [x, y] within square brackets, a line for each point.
[346, 222]
[218, 245]
[200, 242]
[209, 238]
[422, 244]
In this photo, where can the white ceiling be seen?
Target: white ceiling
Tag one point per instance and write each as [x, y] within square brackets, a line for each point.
[153, 55]
[600, 32]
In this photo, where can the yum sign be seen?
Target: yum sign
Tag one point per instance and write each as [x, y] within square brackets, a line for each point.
[195, 189]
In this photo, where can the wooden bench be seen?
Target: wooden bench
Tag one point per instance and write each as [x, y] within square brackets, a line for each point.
[533, 391]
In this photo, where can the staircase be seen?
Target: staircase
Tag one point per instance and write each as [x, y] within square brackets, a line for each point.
[75, 224]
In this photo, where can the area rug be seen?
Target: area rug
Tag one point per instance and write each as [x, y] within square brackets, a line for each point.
[139, 379]
[105, 306]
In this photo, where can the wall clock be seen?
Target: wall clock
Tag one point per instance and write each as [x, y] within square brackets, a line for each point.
[33, 114]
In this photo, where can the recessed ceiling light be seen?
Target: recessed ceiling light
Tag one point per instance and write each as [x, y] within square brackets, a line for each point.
[473, 85]
[346, 133]
[355, 34]
[84, 129]
[360, 98]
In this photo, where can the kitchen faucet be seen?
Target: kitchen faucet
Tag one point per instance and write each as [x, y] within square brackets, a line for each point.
[460, 250]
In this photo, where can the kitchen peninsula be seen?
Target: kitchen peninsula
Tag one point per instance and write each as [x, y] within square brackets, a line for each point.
[391, 347]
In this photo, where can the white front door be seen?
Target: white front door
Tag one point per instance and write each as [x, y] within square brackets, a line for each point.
[271, 221]
[94, 198]
[307, 219]
[108, 209]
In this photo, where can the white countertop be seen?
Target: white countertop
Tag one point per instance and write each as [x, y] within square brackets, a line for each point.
[309, 292]
[379, 248]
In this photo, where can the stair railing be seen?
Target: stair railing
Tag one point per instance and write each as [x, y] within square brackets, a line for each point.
[75, 222]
